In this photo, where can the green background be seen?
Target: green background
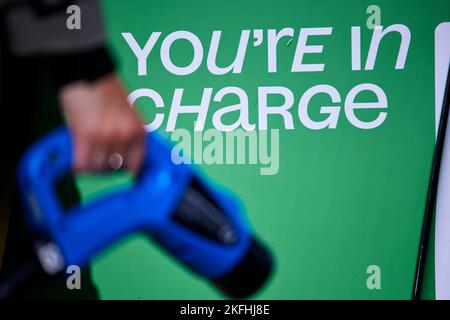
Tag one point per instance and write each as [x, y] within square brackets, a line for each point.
[343, 199]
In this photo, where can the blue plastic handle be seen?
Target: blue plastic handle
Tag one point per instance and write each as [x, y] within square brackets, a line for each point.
[83, 231]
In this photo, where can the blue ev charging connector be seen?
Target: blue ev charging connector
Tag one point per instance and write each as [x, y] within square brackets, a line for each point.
[200, 224]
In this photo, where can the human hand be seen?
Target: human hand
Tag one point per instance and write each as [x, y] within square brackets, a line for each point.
[105, 129]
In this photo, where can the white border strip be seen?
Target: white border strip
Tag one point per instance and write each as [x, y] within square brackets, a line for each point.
[442, 236]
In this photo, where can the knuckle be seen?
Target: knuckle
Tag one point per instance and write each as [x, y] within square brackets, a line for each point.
[90, 135]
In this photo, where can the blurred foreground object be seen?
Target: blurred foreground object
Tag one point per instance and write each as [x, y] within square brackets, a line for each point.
[201, 225]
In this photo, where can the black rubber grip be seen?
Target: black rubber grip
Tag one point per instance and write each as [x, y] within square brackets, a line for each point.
[249, 275]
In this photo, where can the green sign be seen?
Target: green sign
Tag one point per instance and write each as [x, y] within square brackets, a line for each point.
[320, 115]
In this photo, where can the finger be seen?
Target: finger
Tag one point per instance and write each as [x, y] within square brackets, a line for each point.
[81, 155]
[135, 155]
[102, 147]
[98, 157]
